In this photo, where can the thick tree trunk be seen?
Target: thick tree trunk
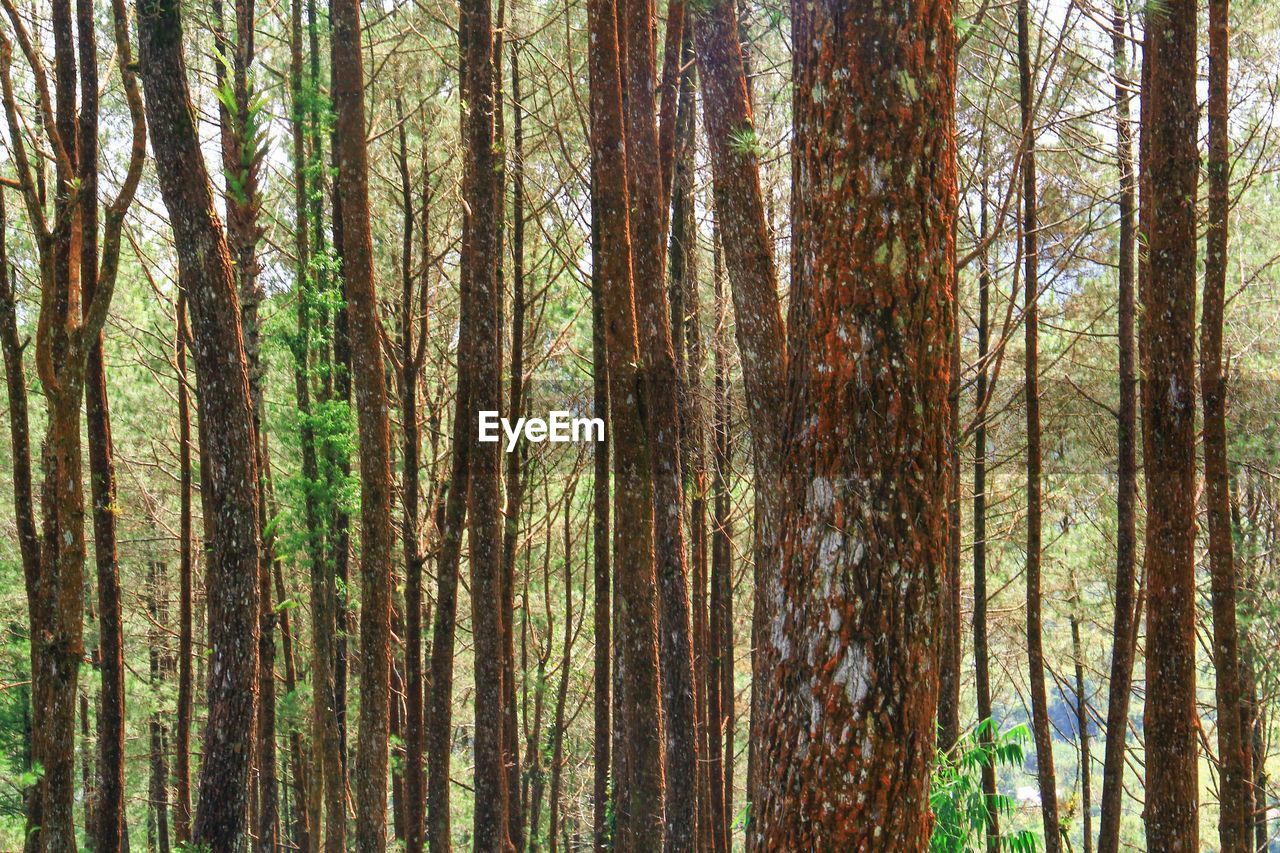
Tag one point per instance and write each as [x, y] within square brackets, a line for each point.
[226, 417]
[1168, 426]
[848, 743]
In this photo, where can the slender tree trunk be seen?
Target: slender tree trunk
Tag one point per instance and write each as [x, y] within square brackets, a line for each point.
[480, 289]
[158, 606]
[440, 716]
[365, 329]
[761, 335]
[853, 642]
[182, 737]
[600, 546]
[226, 416]
[1168, 427]
[515, 463]
[411, 349]
[981, 655]
[109, 828]
[1082, 727]
[1126, 611]
[1030, 233]
[721, 664]
[562, 691]
[1234, 750]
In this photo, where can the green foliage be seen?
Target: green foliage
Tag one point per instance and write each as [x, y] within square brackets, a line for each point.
[956, 796]
[744, 142]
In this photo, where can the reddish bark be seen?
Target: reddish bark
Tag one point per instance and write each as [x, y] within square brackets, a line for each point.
[1168, 425]
[367, 371]
[1234, 794]
[660, 399]
[637, 726]
[848, 740]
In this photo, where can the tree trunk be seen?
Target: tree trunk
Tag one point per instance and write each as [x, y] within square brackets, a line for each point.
[1082, 727]
[226, 417]
[720, 702]
[981, 655]
[365, 329]
[182, 737]
[600, 545]
[638, 740]
[1126, 612]
[848, 743]
[660, 399]
[1030, 233]
[158, 607]
[1234, 793]
[1168, 426]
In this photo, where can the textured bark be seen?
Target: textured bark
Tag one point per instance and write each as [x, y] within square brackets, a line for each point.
[1126, 615]
[1031, 392]
[659, 392]
[240, 163]
[848, 740]
[1234, 794]
[19, 421]
[480, 289]
[1168, 426]
[108, 829]
[367, 371]
[686, 334]
[951, 646]
[638, 738]
[600, 545]
[226, 421]
[761, 335]
[182, 736]
[69, 326]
